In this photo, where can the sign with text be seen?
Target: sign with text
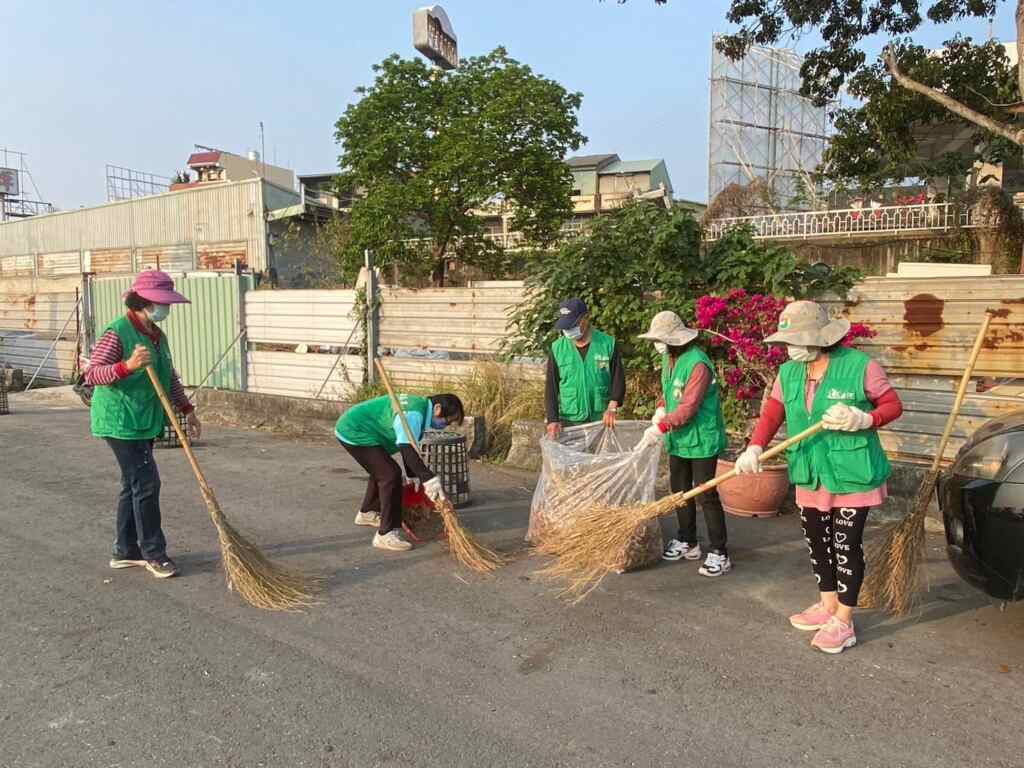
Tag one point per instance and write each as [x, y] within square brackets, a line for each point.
[434, 37]
[8, 181]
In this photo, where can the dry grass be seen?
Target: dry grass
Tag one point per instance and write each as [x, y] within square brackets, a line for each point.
[501, 398]
[894, 563]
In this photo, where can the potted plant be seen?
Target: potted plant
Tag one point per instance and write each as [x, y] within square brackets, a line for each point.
[737, 325]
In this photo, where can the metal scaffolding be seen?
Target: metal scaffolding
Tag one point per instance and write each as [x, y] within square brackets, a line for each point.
[127, 183]
[761, 127]
[16, 201]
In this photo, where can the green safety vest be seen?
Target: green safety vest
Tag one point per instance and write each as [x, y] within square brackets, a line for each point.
[842, 462]
[702, 436]
[372, 422]
[583, 384]
[130, 409]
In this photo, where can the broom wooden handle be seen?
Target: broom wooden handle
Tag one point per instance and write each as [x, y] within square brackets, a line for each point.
[397, 406]
[185, 444]
[769, 454]
[962, 390]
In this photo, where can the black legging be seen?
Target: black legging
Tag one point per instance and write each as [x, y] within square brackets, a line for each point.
[835, 541]
[684, 474]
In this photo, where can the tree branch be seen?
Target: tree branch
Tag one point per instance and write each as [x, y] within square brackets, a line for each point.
[954, 106]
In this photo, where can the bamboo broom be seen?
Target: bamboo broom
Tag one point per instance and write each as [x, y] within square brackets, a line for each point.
[584, 551]
[461, 543]
[259, 581]
[893, 562]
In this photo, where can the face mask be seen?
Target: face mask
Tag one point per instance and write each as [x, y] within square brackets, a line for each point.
[159, 312]
[660, 347]
[802, 354]
[573, 333]
[438, 423]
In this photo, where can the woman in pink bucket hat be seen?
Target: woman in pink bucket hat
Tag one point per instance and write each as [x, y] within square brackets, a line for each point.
[127, 414]
[840, 473]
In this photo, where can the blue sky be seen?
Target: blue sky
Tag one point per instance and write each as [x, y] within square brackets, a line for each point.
[138, 83]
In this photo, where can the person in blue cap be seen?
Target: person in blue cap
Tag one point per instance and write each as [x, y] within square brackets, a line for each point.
[585, 381]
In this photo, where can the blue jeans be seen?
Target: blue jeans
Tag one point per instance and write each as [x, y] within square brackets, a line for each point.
[138, 505]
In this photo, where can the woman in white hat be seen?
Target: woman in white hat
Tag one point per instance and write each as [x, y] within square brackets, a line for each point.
[840, 473]
[689, 418]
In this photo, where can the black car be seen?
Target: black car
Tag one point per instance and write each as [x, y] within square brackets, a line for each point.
[982, 502]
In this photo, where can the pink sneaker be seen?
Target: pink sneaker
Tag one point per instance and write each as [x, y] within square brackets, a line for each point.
[811, 619]
[835, 637]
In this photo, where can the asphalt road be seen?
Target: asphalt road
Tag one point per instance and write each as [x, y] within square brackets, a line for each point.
[411, 661]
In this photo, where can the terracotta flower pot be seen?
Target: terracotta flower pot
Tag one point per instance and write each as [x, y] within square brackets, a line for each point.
[759, 495]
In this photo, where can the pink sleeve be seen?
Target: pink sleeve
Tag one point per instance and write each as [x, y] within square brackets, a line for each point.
[693, 395]
[876, 381]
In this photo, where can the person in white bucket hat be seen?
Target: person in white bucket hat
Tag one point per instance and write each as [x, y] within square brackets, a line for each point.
[839, 474]
[689, 420]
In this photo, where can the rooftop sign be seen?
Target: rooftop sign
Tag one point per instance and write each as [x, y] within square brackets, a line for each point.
[434, 37]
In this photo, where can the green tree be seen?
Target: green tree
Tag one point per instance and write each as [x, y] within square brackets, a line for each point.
[426, 147]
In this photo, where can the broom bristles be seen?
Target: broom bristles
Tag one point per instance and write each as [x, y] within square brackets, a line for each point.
[894, 562]
[589, 546]
[463, 546]
[251, 574]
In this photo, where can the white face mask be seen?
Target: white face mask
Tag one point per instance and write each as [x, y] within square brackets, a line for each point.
[573, 333]
[661, 347]
[802, 354]
[159, 312]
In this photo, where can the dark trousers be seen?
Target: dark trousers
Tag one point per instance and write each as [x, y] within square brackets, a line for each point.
[384, 488]
[685, 474]
[138, 506]
[835, 539]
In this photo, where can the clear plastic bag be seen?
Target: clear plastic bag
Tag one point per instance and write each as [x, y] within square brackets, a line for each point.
[588, 465]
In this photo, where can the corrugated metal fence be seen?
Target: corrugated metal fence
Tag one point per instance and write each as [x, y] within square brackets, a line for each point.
[926, 327]
[200, 332]
[323, 323]
[29, 323]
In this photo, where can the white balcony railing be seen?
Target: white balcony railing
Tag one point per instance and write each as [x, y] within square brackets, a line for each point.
[886, 219]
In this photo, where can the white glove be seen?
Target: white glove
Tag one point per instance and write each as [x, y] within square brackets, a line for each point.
[659, 416]
[846, 418]
[652, 436]
[434, 490]
[749, 462]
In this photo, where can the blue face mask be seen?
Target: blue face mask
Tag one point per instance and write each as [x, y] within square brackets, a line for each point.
[573, 333]
[438, 423]
[159, 312]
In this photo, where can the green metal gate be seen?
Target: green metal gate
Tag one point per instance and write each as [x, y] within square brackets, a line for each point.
[200, 332]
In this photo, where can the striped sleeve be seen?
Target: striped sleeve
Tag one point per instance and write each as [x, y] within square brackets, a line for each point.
[106, 364]
[178, 396]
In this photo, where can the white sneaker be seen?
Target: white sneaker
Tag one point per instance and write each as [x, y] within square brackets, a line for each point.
[681, 550]
[715, 565]
[392, 541]
[371, 519]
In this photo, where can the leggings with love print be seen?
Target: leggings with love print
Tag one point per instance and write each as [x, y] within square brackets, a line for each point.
[834, 540]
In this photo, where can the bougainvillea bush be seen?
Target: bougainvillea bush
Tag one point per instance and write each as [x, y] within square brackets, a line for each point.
[735, 327]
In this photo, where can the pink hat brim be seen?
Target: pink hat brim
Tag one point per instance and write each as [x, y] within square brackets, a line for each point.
[161, 296]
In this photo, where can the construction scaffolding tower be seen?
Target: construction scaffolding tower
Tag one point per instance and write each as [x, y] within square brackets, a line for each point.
[16, 201]
[127, 183]
[762, 128]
